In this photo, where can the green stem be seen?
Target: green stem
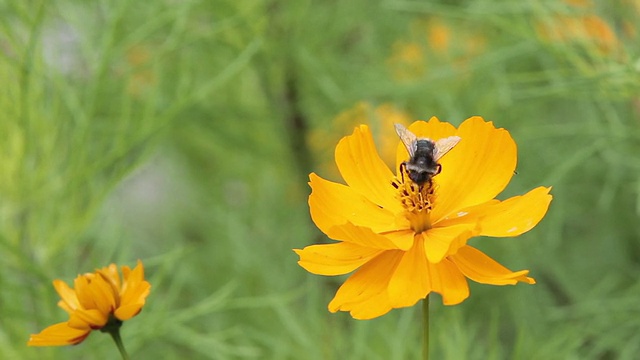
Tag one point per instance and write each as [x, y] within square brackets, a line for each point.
[425, 327]
[116, 337]
[115, 334]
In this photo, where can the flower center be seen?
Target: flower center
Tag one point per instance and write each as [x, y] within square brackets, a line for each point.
[417, 201]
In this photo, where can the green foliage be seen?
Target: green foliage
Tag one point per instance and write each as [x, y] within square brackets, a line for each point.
[177, 132]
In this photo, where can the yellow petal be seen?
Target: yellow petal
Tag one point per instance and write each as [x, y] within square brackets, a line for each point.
[434, 130]
[58, 335]
[365, 237]
[441, 241]
[94, 319]
[480, 268]
[134, 292]
[107, 295]
[410, 280]
[335, 259]
[335, 204]
[127, 270]
[94, 293]
[375, 306]
[111, 276]
[516, 215]
[85, 298]
[403, 239]
[511, 217]
[101, 293]
[128, 311]
[448, 281]
[364, 171]
[364, 294]
[69, 300]
[466, 215]
[133, 301]
[476, 170]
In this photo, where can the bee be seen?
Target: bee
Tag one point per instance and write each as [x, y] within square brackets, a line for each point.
[424, 154]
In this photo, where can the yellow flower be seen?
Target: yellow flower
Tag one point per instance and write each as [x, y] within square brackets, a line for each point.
[141, 76]
[438, 35]
[579, 3]
[587, 30]
[434, 42]
[99, 300]
[406, 241]
[407, 62]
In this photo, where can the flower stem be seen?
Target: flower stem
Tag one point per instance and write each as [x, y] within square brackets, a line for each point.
[425, 327]
[115, 334]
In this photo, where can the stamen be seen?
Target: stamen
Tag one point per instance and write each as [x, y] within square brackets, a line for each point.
[417, 201]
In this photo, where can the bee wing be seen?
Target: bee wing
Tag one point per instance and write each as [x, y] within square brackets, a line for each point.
[444, 145]
[408, 138]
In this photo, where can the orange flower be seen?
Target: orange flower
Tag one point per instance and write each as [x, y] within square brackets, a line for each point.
[139, 69]
[99, 300]
[588, 30]
[405, 241]
[407, 61]
[579, 3]
[439, 35]
[433, 42]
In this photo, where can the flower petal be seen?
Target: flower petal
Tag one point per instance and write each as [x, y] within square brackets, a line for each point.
[410, 281]
[415, 277]
[69, 300]
[433, 129]
[477, 169]
[111, 276]
[134, 292]
[374, 306]
[466, 215]
[364, 294]
[95, 293]
[364, 171]
[335, 259]
[515, 215]
[134, 288]
[365, 237]
[58, 335]
[94, 319]
[335, 204]
[441, 241]
[480, 268]
[511, 217]
[449, 282]
[403, 239]
[128, 311]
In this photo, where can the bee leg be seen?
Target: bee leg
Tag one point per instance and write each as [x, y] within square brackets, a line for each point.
[438, 169]
[403, 166]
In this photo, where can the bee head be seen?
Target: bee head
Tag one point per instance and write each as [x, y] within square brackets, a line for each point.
[419, 177]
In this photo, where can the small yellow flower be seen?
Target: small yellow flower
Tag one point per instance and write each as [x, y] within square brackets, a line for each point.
[438, 35]
[579, 3]
[432, 43]
[99, 300]
[586, 30]
[139, 70]
[407, 61]
[405, 241]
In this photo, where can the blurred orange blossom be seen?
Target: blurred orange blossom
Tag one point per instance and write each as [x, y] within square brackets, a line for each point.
[98, 300]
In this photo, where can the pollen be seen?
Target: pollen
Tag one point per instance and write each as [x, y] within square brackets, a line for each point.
[415, 198]
[417, 201]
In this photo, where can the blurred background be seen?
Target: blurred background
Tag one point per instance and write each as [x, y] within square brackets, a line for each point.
[182, 133]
